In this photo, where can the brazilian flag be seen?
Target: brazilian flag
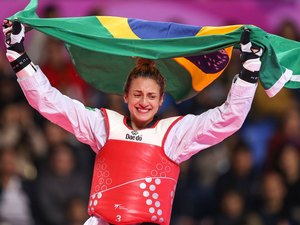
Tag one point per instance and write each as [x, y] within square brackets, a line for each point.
[104, 50]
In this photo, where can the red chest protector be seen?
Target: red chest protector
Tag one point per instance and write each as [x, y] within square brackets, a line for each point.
[134, 181]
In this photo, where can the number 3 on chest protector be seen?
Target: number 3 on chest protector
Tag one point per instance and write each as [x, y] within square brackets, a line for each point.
[118, 218]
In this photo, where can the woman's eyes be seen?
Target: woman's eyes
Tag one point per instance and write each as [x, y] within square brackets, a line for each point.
[139, 95]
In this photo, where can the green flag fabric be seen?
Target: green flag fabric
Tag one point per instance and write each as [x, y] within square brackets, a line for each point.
[104, 50]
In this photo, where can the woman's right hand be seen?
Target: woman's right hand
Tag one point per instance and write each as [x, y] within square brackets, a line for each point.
[14, 33]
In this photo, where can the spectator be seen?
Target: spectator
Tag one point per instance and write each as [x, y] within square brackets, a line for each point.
[16, 199]
[61, 72]
[288, 131]
[241, 176]
[56, 136]
[288, 163]
[9, 91]
[19, 129]
[59, 182]
[288, 29]
[232, 209]
[272, 209]
[38, 40]
[76, 211]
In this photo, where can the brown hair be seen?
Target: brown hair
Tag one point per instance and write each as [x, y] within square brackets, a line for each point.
[145, 68]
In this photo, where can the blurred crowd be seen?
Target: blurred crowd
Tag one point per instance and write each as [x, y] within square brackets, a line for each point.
[253, 177]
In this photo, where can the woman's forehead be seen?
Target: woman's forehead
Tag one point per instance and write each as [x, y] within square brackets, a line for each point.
[142, 83]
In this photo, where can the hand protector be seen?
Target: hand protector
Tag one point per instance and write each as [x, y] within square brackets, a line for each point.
[14, 35]
[250, 58]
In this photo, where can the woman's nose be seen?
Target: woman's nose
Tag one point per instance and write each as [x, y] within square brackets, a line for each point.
[143, 101]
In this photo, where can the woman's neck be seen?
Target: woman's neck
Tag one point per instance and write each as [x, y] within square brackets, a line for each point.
[135, 126]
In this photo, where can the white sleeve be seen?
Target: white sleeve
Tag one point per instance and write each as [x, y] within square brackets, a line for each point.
[194, 133]
[85, 123]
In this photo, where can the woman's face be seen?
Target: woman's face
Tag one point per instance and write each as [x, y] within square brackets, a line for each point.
[144, 100]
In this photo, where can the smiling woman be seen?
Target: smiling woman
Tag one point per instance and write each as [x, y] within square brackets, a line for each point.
[137, 156]
[143, 92]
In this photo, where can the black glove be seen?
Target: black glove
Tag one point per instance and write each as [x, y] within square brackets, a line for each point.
[14, 35]
[250, 58]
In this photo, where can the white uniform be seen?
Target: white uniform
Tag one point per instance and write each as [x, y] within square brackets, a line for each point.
[187, 137]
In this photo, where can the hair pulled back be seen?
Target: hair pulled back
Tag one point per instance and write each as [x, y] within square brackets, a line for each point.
[145, 68]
